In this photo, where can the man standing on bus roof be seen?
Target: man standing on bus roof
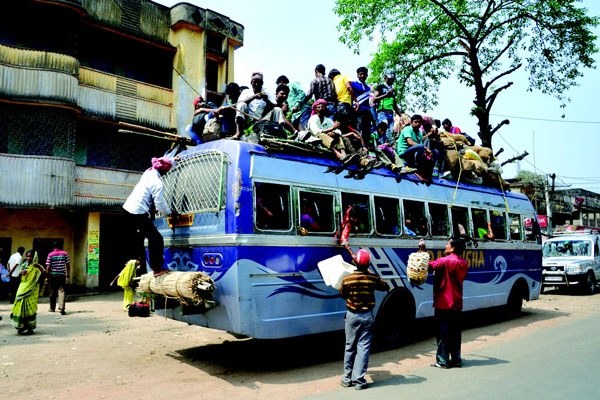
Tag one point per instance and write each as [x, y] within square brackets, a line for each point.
[449, 274]
[358, 289]
[146, 198]
[384, 97]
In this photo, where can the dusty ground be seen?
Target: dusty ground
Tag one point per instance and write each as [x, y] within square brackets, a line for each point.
[98, 352]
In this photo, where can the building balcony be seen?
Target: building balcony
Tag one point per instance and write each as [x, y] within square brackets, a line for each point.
[44, 77]
[38, 76]
[102, 188]
[113, 97]
[42, 182]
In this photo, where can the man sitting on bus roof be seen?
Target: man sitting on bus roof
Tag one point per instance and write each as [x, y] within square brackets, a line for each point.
[328, 131]
[252, 105]
[413, 152]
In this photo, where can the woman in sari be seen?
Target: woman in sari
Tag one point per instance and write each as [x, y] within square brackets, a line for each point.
[125, 280]
[24, 312]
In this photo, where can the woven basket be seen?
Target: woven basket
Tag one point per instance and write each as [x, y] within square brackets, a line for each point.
[416, 268]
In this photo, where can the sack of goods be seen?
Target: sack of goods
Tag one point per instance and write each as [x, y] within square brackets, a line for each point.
[416, 268]
[139, 310]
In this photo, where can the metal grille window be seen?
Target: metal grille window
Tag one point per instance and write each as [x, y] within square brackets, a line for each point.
[196, 184]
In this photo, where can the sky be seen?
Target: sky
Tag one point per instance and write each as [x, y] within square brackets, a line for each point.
[291, 37]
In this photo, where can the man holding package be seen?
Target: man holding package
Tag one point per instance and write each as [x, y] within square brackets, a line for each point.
[358, 289]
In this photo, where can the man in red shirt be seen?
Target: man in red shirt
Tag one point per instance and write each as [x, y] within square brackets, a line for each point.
[449, 274]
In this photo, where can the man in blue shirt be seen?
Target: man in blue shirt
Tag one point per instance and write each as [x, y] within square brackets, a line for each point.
[360, 93]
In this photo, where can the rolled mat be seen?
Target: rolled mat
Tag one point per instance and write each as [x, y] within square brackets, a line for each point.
[195, 286]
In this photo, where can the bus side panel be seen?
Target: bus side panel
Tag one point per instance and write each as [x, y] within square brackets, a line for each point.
[289, 296]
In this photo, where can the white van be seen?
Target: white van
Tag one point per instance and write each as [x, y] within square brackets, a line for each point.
[571, 260]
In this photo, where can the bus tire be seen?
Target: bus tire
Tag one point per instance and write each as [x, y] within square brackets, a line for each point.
[394, 318]
[514, 304]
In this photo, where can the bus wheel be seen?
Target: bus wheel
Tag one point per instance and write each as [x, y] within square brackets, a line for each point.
[514, 303]
[394, 318]
[590, 284]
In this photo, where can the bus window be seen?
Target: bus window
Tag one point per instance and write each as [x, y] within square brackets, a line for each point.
[532, 229]
[460, 222]
[515, 226]
[386, 216]
[439, 220]
[499, 224]
[481, 226]
[272, 206]
[415, 220]
[316, 212]
[360, 204]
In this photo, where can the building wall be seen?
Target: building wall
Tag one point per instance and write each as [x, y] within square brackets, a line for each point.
[24, 226]
[71, 77]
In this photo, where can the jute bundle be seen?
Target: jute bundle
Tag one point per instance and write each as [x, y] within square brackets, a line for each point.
[416, 268]
[195, 286]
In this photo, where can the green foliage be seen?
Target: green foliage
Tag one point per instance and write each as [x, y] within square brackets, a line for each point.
[531, 178]
[481, 42]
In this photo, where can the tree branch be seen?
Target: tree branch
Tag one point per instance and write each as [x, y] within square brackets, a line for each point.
[490, 100]
[507, 72]
[500, 53]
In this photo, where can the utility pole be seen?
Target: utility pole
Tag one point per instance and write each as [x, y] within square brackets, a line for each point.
[548, 192]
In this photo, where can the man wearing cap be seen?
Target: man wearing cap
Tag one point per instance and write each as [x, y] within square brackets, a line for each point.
[253, 104]
[384, 97]
[358, 289]
[146, 198]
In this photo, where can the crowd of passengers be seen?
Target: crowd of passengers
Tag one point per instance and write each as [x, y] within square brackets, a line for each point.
[358, 124]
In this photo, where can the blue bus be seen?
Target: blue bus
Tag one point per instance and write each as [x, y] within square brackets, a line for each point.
[240, 222]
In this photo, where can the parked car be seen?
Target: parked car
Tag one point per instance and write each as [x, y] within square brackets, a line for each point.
[571, 260]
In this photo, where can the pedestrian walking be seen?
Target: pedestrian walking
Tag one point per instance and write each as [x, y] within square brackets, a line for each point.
[23, 314]
[358, 289]
[58, 270]
[14, 270]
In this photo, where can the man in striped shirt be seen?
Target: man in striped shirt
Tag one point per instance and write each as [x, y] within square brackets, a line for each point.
[58, 269]
[358, 289]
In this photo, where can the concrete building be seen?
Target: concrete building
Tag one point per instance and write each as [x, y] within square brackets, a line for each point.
[70, 72]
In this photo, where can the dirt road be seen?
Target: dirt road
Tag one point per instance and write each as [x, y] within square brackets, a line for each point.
[97, 352]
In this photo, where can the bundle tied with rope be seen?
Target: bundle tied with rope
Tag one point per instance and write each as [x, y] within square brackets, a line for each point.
[196, 287]
[417, 267]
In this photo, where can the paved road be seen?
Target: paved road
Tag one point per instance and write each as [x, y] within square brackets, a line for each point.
[97, 352]
[557, 363]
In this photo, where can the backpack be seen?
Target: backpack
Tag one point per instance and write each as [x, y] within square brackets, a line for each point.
[212, 130]
[269, 128]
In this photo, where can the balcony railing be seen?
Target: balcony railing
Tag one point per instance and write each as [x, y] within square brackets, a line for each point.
[114, 97]
[38, 75]
[102, 187]
[38, 181]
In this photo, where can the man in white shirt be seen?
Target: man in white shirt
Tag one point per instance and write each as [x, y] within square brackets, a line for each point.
[253, 104]
[14, 270]
[146, 198]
